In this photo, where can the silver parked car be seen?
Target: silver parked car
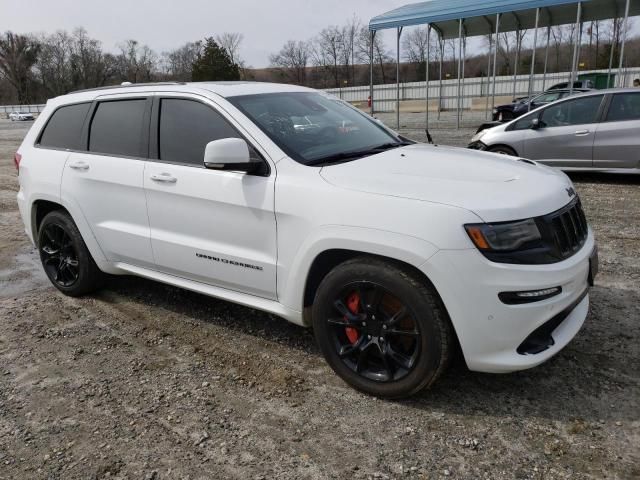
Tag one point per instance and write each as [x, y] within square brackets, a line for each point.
[595, 130]
[20, 116]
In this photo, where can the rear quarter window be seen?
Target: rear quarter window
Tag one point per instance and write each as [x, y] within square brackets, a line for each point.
[64, 128]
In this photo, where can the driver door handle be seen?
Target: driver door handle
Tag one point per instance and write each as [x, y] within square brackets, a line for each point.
[581, 133]
[80, 165]
[164, 178]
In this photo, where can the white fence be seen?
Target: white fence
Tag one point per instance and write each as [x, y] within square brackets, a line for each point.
[384, 96]
[5, 110]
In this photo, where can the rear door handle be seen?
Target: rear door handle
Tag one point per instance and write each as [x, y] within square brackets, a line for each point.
[164, 178]
[79, 165]
[581, 133]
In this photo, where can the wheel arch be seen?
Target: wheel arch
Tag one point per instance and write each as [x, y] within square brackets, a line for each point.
[504, 145]
[327, 260]
[40, 207]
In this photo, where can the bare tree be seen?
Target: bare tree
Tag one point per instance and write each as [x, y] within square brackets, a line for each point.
[349, 46]
[178, 63]
[89, 65]
[510, 48]
[380, 54]
[53, 65]
[327, 52]
[292, 59]
[231, 42]
[18, 53]
[136, 63]
[414, 45]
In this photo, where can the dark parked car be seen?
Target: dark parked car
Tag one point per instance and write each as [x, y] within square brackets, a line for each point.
[505, 113]
[583, 84]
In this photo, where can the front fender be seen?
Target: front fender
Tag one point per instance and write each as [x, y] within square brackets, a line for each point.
[292, 279]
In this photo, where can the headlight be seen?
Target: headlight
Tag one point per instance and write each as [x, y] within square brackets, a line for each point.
[478, 135]
[503, 236]
[495, 111]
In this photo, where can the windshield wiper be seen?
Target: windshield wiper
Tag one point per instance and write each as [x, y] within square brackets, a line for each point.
[357, 153]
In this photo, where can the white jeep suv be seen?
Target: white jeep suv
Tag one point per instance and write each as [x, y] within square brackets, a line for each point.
[288, 200]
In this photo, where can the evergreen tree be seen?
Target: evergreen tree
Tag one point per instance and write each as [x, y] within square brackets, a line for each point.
[214, 63]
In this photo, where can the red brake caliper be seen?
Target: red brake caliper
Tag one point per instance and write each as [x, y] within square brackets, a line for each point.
[353, 301]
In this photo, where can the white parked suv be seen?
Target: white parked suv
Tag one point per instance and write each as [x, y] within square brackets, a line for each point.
[394, 252]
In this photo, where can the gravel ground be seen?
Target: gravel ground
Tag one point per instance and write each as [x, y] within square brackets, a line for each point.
[148, 381]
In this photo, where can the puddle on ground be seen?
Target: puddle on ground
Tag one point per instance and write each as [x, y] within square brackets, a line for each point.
[24, 276]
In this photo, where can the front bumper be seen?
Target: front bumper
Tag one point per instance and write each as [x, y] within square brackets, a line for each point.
[478, 145]
[491, 332]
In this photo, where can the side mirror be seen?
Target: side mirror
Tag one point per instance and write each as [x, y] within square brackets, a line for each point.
[228, 154]
[536, 124]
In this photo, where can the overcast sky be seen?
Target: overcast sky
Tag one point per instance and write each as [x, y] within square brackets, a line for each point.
[167, 24]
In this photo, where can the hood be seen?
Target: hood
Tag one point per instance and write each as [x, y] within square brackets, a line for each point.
[494, 187]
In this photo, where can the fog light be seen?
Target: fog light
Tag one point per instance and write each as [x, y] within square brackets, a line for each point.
[529, 296]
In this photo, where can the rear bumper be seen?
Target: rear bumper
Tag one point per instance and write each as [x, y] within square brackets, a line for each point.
[494, 335]
[25, 214]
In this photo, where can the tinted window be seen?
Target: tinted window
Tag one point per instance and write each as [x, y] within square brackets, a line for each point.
[624, 106]
[572, 112]
[524, 122]
[117, 128]
[547, 97]
[64, 128]
[186, 126]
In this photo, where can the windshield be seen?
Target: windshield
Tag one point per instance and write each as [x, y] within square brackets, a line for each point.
[315, 128]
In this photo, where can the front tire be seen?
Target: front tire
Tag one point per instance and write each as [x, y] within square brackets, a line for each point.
[503, 150]
[65, 257]
[382, 329]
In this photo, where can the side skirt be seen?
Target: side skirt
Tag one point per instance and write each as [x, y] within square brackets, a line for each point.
[263, 304]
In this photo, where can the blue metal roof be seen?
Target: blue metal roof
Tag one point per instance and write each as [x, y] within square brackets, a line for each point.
[479, 16]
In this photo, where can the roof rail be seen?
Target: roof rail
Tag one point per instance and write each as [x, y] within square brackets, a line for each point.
[126, 85]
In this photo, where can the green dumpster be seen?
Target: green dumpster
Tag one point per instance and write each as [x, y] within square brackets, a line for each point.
[599, 80]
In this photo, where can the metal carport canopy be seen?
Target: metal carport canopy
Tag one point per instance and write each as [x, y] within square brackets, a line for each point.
[479, 16]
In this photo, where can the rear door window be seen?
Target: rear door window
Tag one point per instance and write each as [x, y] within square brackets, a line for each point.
[117, 128]
[186, 126]
[64, 128]
[624, 106]
[572, 112]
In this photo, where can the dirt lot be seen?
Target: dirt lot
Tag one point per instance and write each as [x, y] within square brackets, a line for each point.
[148, 381]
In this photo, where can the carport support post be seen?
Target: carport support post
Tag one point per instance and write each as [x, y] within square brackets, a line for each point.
[495, 59]
[459, 71]
[546, 59]
[574, 63]
[533, 55]
[373, 37]
[486, 108]
[622, 42]
[613, 49]
[464, 62]
[441, 48]
[426, 77]
[398, 78]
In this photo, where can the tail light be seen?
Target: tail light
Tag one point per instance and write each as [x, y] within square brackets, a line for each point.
[16, 159]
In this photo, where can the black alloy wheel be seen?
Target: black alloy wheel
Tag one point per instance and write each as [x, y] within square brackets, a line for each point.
[65, 257]
[374, 333]
[381, 327]
[59, 257]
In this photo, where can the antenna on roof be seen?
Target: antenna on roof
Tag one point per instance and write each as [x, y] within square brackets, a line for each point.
[125, 83]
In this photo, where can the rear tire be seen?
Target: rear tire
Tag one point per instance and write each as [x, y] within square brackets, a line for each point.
[65, 257]
[381, 328]
[503, 150]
